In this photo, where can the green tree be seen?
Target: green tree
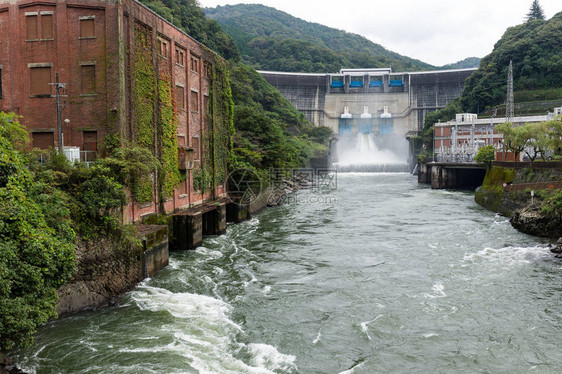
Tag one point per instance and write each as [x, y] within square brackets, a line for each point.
[554, 129]
[514, 137]
[486, 155]
[537, 139]
[34, 259]
[13, 131]
[535, 12]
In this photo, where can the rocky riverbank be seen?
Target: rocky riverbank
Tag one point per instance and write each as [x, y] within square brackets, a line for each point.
[531, 198]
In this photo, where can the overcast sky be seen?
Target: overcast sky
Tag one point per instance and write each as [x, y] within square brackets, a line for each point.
[434, 31]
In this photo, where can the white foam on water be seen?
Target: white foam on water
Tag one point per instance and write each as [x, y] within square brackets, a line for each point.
[430, 335]
[182, 305]
[509, 256]
[437, 291]
[204, 335]
[208, 252]
[365, 325]
[266, 290]
[318, 337]
[267, 356]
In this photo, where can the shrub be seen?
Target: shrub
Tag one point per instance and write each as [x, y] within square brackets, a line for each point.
[34, 259]
[486, 155]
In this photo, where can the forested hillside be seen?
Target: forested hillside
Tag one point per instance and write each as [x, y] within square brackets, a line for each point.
[270, 39]
[536, 51]
[469, 62]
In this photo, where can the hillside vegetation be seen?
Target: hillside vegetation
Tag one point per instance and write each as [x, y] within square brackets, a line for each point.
[534, 48]
[270, 39]
[469, 62]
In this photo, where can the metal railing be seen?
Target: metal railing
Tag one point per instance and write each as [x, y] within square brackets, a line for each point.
[459, 154]
[88, 157]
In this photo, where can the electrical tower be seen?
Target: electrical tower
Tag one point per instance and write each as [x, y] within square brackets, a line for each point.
[509, 107]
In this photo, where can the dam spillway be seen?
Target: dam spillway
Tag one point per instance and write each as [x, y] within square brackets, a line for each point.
[377, 102]
[370, 153]
[409, 96]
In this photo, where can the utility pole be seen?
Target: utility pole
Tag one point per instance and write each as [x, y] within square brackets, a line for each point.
[509, 107]
[433, 143]
[58, 87]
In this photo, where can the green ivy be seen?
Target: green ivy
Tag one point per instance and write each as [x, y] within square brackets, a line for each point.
[201, 180]
[145, 83]
[169, 154]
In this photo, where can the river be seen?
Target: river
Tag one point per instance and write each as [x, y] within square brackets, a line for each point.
[380, 275]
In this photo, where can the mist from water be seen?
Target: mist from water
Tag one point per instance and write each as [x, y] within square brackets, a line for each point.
[372, 153]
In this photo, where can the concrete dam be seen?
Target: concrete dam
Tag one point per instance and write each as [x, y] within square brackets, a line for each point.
[372, 111]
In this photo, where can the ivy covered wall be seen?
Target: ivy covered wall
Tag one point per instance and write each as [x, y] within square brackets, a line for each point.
[155, 119]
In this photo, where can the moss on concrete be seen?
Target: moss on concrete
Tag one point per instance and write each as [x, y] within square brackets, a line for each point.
[491, 193]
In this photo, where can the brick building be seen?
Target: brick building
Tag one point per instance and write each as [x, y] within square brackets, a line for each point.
[460, 139]
[117, 58]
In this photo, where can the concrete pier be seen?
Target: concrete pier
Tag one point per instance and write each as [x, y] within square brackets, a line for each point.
[451, 175]
[237, 212]
[155, 254]
[214, 220]
[186, 229]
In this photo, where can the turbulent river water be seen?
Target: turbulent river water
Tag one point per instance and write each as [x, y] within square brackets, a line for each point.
[380, 275]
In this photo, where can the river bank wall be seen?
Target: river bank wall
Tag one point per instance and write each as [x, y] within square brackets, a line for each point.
[106, 270]
[529, 194]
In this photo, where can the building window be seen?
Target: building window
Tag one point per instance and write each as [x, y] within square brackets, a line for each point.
[194, 101]
[32, 22]
[195, 64]
[163, 51]
[31, 32]
[43, 140]
[180, 97]
[181, 140]
[87, 79]
[90, 140]
[183, 184]
[88, 27]
[206, 69]
[40, 79]
[180, 57]
[47, 26]
[206, 104]
[89, 151]
[195, 146]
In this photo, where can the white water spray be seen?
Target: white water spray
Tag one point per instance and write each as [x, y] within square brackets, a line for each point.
[370, 153]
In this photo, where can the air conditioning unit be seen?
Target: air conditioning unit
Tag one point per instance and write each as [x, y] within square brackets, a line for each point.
[72, 153]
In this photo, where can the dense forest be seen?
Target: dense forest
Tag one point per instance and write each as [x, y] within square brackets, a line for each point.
[270, 39]
[270, 132]
[534, 47]
[469, 62]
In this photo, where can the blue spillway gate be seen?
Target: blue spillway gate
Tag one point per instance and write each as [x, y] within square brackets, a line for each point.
[344, 129]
